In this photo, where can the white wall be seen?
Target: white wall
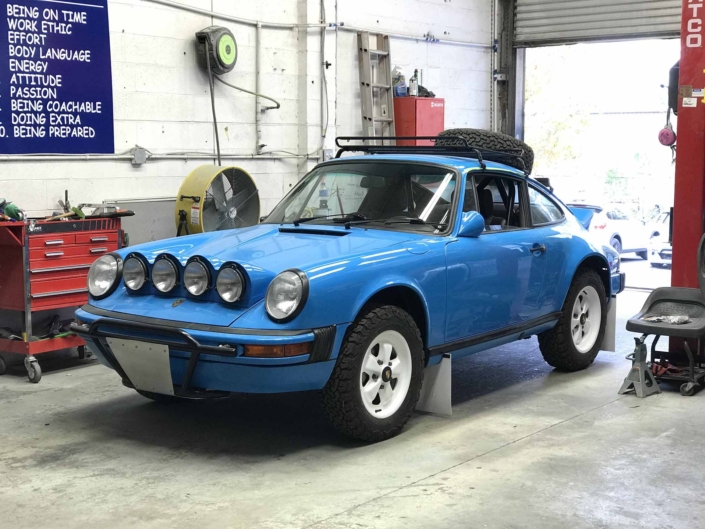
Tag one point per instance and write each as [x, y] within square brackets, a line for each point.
[161, 98]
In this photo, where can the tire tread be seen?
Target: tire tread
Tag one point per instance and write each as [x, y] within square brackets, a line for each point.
[556, 344]
[339, 394]
[495, 141]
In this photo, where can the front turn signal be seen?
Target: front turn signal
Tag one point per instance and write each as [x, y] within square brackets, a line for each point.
[277, 351]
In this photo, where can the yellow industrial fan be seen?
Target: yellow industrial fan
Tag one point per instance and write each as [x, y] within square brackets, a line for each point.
[214, 198]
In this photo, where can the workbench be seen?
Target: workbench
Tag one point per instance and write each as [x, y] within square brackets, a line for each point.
[43, 271]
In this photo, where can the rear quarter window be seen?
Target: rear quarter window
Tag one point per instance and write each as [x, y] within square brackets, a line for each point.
[543, 209]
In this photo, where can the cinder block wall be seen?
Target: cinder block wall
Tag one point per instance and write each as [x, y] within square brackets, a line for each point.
[161, 98]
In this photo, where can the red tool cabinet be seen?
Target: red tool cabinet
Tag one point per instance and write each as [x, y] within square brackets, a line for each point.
[418, 116]
[44, 267]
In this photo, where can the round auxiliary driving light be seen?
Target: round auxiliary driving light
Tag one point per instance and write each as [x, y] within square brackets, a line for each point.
[229, 284]
[196, 278]
[134, 273]
[103, 275]
[164, 275]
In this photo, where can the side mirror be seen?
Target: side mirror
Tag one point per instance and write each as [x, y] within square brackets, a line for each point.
[472, 224]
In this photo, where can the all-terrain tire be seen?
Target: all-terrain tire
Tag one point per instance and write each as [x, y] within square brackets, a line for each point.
[494, 141]
[557, 344]
[342, 399]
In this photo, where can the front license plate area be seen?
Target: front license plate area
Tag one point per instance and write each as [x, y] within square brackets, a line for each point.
[146, 364]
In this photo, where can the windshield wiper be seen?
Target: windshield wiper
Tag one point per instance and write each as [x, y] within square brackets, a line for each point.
[301, 220]
[356, 217]
[345, 219]
[415, 220]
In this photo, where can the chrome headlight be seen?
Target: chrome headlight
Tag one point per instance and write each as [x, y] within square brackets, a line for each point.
[196, 278]
[134, 273]
[164, 275]
[287, 295]
[229, 284]
[103, 275]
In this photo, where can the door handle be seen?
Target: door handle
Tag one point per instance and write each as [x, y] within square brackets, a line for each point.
[538, 248]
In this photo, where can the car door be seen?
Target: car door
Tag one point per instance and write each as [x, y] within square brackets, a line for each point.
[494, 280]
[548, 221]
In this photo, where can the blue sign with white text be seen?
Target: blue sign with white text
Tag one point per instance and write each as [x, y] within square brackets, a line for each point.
[56, 90]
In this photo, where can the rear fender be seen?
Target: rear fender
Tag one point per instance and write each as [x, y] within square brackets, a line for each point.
[583, 215]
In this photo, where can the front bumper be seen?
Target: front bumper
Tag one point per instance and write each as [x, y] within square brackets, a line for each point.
[618, 282]
[211, 359]
[662, 256]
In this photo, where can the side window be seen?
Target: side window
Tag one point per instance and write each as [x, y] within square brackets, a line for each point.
[543, 209]
[500, 203]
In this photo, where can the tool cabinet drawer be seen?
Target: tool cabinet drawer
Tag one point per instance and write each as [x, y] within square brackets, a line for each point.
[56, 300]
[97, 238]
[94, 250]
[70, 267]
[52, 241]
[58, 291]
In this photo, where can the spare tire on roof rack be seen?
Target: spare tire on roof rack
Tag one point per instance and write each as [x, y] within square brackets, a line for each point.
[492, 141]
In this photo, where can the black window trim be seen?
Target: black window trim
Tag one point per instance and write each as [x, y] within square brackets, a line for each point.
[523, 198]
[555, 203]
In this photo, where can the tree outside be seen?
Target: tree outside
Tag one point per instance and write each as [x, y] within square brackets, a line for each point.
[593, 114]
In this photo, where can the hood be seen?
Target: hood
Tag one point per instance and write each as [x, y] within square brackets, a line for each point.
[274, 248]
[263, 251]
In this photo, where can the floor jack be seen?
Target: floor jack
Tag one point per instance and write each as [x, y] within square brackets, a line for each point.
[640, 379]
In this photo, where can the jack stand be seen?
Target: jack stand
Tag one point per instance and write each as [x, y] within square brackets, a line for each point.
[435, 393]
[640, 379]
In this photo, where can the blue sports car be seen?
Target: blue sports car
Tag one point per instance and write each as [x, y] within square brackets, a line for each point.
[370, 270]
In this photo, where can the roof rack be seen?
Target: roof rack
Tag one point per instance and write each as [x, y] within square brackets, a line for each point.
[462, 149]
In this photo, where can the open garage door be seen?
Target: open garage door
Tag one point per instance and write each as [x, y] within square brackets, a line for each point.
[549, 22]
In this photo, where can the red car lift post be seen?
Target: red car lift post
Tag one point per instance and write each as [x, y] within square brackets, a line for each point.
[689, 203]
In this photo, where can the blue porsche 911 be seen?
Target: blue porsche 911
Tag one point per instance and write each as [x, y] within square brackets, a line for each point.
[369, 271]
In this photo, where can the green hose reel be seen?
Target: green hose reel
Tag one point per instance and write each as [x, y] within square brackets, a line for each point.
[216, 45]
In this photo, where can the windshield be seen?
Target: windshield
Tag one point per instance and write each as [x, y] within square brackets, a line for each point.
[388, 195]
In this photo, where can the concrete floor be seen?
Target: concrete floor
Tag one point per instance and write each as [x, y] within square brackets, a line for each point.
[526, 447]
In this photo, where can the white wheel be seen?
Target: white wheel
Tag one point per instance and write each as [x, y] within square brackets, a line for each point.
[586, 319]
[385, 374]
[377, 379]
[574, 342]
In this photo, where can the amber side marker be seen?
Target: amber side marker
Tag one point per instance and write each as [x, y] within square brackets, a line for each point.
[278, 351]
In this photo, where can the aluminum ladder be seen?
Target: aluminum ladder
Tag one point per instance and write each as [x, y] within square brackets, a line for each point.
[376, 86]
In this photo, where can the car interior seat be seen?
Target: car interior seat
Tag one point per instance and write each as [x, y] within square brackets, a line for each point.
[487, 211]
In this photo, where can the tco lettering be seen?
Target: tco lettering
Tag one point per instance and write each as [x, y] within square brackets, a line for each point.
[694, 27]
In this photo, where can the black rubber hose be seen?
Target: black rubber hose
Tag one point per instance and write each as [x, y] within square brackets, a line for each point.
[210, 83]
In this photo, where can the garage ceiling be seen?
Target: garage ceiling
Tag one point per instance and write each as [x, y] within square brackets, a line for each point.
[549, 22]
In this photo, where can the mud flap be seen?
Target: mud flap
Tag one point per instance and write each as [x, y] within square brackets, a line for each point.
[435, 393]
[609, 342]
